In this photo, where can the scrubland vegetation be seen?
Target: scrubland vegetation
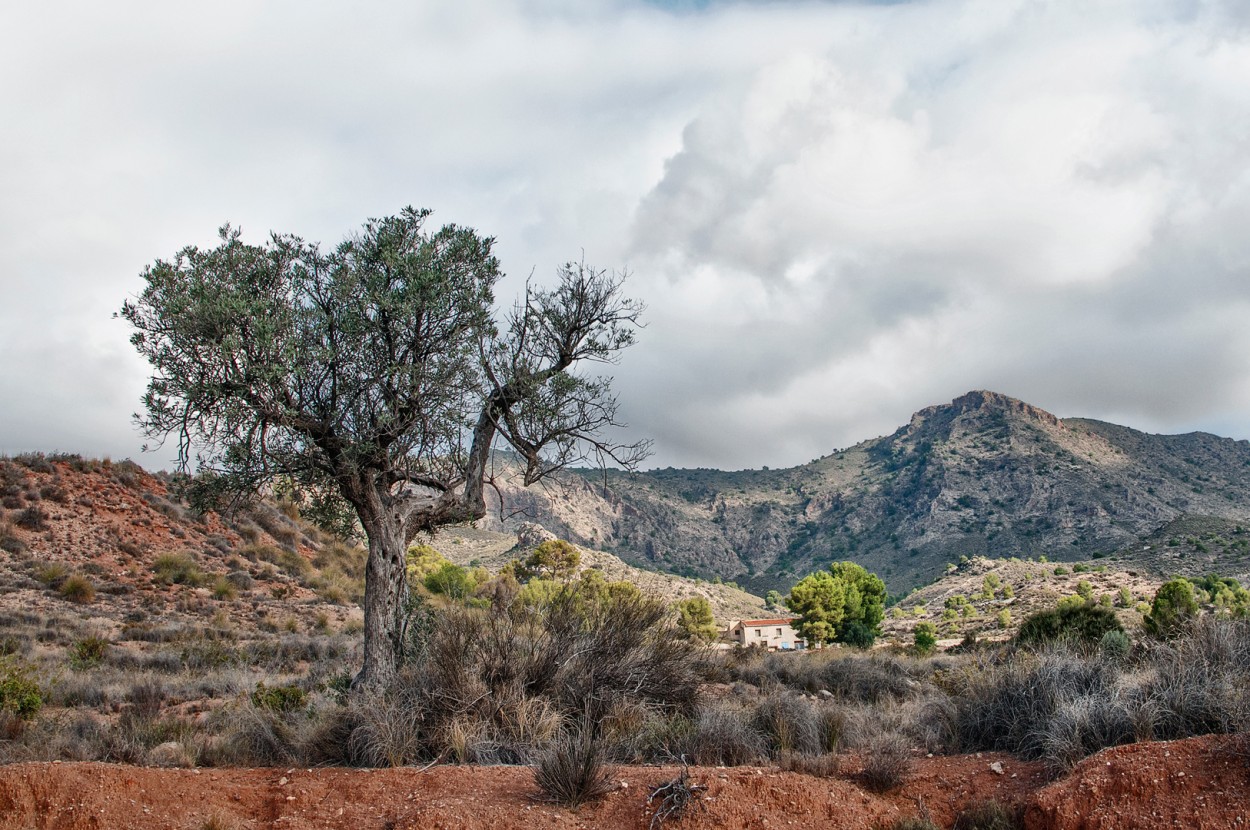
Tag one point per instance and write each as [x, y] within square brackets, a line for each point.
[581, 675]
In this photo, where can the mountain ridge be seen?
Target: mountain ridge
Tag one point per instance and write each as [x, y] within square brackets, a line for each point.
[985, 474]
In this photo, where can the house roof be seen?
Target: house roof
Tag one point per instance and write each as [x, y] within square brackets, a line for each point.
[769, 621]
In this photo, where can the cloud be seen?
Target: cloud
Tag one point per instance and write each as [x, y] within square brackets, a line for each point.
[1044, 204]
[838, 212]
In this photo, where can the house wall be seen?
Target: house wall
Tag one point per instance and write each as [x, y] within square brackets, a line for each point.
[769, 634]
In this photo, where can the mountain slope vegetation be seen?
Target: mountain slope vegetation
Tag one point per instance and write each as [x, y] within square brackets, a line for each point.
[985, 475]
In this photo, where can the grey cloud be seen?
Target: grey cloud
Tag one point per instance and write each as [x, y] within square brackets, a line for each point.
[837, 212]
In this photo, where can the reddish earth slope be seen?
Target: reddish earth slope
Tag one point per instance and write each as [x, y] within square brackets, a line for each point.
[1197, 783]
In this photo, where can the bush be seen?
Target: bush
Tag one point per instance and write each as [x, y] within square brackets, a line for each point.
[1115, 645]
[1054, 707]
[33, 518]
[19, 692]
[224, 589]
[925, 635]
[51, 574]
[789, 723]
[77, 588]
[574, 769]
[88, 652]
[1199, 681]
[676, 799]
[723, 736]
[178, 569]
[1078, 623]
[279, 698]
[1173, 607]
[887, 761]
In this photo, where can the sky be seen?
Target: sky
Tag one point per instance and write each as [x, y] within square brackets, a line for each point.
[837, 213]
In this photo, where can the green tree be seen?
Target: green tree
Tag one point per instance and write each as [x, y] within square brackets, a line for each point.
[925, 634]
[820, 601]
[1173, 606]
[553, 559]
[377, 372]
[695, 619]
[772, 600]
[827, 602]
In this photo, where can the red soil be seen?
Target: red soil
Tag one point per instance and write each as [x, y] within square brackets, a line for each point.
[1198, 783]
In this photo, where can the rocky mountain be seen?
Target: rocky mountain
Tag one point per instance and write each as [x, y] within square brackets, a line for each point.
[985, 475]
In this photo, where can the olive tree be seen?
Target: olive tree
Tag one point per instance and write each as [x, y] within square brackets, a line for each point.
[378, 372]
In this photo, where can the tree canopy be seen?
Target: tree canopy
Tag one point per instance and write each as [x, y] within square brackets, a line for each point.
[1173, 607]
[377, 372]
[696, 621]
[843, 604]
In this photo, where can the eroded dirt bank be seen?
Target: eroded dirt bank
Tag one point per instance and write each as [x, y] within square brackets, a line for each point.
[1199, 783]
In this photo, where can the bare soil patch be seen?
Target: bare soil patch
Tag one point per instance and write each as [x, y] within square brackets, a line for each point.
[1196, 783]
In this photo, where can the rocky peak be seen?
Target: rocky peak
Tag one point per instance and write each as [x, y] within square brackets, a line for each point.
[981, 401]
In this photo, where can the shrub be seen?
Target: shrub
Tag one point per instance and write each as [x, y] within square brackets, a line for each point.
[1055, 707]
[178, 569]
[1083, 623]
[240, 579]
[450, 580]
[921, 822]
[925, 635]
[887, 761]
[9, 540]
[723, 736]
[788, 723]
[33, 518]
[676, 799]
[51, 574]
[1199, 680]
[19, 692]
[146, 699]
[279, 698]
[77, 588]
[224, 589]
[573, 770]
[1115, 645]
[1173, 606]
[88, 652]
[866, 679]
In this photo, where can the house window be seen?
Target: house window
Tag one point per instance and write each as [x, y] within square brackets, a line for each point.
[759, 633]
[778, 632]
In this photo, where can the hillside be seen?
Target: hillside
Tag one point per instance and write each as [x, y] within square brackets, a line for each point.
[140, 558]
[985, 475]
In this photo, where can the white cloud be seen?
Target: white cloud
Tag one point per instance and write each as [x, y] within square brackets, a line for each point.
[837, 212]
[1046, 204]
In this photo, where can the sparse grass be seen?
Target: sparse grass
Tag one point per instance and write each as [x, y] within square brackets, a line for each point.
[77, 588]
[178, 569]
[988, 815]
[51, 574]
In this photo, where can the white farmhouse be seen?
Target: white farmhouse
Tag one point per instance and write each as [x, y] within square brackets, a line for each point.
[772, 633]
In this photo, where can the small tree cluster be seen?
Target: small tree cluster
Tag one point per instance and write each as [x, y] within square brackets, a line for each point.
[844, 604]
